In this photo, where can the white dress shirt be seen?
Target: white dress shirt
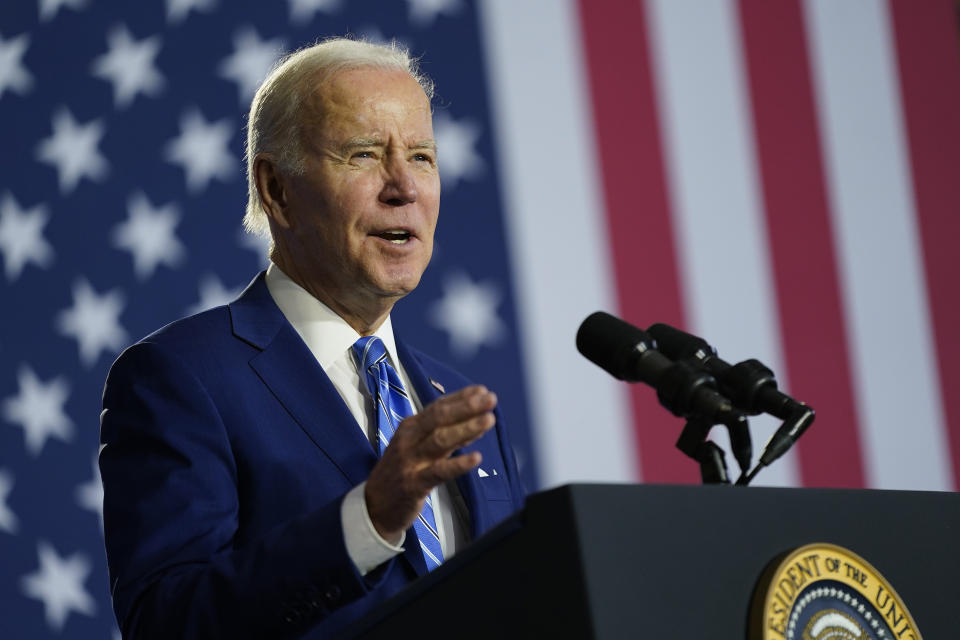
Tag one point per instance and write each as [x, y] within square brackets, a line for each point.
[330, 338]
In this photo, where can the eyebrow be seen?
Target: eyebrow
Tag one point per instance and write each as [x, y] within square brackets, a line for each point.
[355, 143]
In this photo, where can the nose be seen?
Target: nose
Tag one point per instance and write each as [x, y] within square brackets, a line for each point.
[399, 187]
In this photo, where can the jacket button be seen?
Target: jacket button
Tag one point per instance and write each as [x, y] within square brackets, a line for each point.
[332, 594]
[311, 598]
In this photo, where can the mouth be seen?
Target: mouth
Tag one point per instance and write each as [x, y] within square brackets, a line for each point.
[395, 236]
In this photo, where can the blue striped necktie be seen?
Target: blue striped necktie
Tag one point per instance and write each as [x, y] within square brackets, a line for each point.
[393, 405]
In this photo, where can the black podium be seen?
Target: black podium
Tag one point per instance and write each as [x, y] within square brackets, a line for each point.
[621, 561]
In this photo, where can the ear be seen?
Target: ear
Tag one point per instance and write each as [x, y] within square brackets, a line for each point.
[272, 189]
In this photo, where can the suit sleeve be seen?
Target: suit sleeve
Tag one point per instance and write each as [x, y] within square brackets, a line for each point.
[171, 515]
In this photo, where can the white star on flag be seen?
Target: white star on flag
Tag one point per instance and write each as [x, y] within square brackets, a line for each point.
[13, 75]
[468, 313]
[149, 234]
[38, 409]
[424, 12]
[213, 294]
[129, 65]
[302, 11]
[72, 149]
[250, 62]
[89, 495]
[201, 149]
[8, 519]
[94, 321]
[21, 237]
[456, 149]
[50, 8]
[177, 10]
[58, 583]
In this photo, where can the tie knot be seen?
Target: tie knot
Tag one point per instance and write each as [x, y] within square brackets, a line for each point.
[368, 352]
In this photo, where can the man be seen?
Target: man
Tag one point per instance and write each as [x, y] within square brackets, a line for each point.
[263, 475]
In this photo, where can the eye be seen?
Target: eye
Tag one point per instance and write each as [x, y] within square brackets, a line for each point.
[423, 157]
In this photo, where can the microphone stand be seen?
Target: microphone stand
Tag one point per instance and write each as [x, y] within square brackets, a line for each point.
[693, 442]
[712, 459]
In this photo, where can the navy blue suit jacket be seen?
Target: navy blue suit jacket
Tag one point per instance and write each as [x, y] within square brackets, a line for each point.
[226, 455]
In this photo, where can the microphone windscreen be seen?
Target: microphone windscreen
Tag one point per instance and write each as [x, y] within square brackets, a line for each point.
[611, 343]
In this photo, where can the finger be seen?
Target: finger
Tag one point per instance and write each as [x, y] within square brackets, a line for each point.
[441, 442]
[457, 408]
[450, 468]
[449, 410]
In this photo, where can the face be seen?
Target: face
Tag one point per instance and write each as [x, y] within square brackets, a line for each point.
[357, 225]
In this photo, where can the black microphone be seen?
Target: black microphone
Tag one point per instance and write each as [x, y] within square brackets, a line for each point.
[630, 354]
[750, 384]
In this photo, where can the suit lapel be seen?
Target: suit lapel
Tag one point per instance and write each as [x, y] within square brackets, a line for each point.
[289, 370]
[427, 391]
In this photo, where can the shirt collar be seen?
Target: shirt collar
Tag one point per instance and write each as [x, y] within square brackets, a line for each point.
[328, 336]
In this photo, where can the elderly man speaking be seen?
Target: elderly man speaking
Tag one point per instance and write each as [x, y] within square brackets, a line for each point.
[276, 467]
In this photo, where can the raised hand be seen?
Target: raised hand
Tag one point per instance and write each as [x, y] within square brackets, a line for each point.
[418, 457]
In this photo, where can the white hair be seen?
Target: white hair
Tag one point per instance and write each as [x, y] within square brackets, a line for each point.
[274, 125]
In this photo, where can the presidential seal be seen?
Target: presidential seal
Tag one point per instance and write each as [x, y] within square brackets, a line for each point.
[825, 592]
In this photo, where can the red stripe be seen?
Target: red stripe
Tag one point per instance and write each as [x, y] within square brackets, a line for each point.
[638, 213]
[800, 236]
[927, 49]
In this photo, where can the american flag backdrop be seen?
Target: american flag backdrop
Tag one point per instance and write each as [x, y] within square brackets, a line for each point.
[782, 178]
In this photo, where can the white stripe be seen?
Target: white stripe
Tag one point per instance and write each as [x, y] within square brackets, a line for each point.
[713, 180]
[557, 235]
[879, 255]
[427, 551]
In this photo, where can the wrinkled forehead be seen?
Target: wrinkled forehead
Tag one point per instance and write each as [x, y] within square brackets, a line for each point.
[355, 95]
